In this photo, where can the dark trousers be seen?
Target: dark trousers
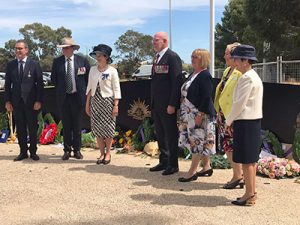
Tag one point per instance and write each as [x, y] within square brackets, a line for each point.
[71, 120]
[167, 137]
[26, 118]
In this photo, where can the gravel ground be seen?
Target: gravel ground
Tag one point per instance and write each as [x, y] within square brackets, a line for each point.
[79, 192]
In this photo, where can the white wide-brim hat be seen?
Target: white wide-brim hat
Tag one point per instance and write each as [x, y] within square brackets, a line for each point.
[67, 42]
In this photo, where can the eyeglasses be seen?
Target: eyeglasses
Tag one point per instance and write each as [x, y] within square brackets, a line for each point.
[194, 57]
[19, 48]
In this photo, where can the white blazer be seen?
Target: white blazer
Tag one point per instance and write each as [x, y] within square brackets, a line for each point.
[108, 80]
[247, 98]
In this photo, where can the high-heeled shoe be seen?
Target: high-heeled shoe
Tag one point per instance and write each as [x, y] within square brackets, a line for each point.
[255, 196]
[234, 184]
[183, 179]
[204, 173]
[247, 202]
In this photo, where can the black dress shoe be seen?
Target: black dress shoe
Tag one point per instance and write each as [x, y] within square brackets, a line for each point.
[170, 170]
[66, 156]
[183, 179]
[205, 173]
[78, 155]
[158, 167]
[105, 162]
[248, 202]
[234, 184]
[34, 157]
[21, 157]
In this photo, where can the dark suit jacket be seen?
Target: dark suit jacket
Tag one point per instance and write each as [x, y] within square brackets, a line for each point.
[200, 93]
[58, 78]
[30, 87]
[166, 82]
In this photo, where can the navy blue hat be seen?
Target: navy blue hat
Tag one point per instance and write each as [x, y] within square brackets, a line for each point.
[244, 52]
[102, 49]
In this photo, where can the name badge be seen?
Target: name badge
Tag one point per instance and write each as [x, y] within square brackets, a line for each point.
[161, 69]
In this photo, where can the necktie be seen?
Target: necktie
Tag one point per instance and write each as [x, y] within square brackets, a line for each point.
[156, 59]
[21, 69]
[155, 62]
[69, 85]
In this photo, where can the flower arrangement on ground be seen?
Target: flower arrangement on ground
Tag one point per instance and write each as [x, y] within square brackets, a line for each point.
[278, 167]
[48, 134]
[123, 140]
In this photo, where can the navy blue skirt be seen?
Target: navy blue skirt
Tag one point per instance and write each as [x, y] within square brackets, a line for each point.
[246, 141]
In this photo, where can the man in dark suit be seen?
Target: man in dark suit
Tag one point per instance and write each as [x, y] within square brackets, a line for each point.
[23, 96]
[70, 76]
[165, 100]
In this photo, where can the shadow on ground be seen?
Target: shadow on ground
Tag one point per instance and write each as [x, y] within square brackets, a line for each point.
[138, 219]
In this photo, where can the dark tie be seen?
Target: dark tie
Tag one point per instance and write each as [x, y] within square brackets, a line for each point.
[156, 59]
[155, 62]
[21, 69]
[69, 85]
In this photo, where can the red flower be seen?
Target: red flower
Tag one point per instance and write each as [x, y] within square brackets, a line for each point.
[48, 134]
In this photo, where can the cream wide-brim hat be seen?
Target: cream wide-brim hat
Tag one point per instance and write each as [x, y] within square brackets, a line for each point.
[67, 42]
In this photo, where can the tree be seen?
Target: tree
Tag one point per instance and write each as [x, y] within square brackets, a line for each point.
[42, 42]
[234, 28]
[277, 22]
[133, 48]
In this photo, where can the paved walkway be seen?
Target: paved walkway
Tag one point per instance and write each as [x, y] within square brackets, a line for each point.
[79, 192]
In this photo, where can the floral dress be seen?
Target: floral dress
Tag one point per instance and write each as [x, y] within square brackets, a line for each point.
[199, 139]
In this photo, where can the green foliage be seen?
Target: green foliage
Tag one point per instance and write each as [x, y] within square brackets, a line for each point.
[42, 42]
[41, 124]
[88, 140]
[59, 137]
[48, 118]
[133, 48]
[296, 146]
[276, 145]
[272, 26]
[148, 130]
[219, 162]
[3, 121]
[278, 24]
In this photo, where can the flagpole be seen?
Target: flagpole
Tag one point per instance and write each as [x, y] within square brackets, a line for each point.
[212, 37]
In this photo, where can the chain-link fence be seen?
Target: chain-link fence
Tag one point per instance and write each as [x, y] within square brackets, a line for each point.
[275, 72]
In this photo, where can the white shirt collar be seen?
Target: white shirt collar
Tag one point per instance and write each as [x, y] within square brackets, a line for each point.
[24, 60]
[162, 52]
[72, 58]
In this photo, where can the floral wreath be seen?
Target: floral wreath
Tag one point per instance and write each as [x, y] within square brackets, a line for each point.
[48, 134]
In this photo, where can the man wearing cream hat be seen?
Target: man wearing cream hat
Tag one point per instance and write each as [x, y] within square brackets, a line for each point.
[70, 76]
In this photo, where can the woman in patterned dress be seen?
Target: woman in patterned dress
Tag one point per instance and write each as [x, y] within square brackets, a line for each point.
[223, 104]
[197, 116]
[103, 94]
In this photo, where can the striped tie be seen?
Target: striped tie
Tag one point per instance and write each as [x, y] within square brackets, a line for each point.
[69, 85]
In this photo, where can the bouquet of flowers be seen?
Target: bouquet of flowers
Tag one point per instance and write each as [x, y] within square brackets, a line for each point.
[278, 167]
[48, 134]
[123, 140]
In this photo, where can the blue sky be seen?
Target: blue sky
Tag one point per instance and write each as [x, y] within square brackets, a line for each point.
[102, 21]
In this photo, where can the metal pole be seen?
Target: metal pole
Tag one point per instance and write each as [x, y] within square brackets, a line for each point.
[212, 37]
[170, 24]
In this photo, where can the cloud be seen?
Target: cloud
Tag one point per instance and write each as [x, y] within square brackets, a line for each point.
[81, 14]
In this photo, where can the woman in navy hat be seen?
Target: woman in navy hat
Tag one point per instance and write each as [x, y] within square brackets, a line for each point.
[103, 94]
[245, 117]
